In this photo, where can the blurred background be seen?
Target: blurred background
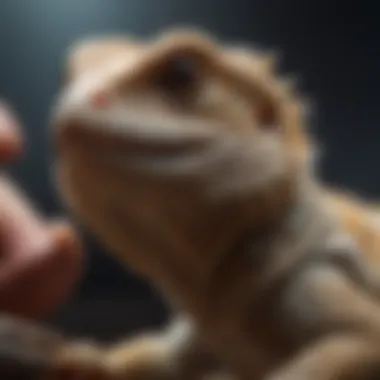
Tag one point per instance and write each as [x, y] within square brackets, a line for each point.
[333, 46]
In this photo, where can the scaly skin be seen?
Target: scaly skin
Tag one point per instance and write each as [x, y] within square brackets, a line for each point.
[190, 160]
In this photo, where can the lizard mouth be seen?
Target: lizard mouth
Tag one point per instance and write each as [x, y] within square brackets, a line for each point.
[116, 140]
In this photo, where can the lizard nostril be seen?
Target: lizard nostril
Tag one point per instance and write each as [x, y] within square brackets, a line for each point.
[178, 74]
[100, 100]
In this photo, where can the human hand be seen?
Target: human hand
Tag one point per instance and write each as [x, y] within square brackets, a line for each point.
[40, 260]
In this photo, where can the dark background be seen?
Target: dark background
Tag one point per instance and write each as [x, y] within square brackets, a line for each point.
[334, 46]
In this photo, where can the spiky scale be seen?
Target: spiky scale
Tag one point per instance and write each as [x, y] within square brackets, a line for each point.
[270, 61]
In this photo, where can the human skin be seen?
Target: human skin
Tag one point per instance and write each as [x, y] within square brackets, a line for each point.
[40, 260]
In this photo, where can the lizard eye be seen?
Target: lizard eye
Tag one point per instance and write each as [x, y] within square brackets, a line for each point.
[178, 75]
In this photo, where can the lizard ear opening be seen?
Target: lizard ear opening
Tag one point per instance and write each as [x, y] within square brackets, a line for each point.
[256, 70]
[274, 100]
[266, 114]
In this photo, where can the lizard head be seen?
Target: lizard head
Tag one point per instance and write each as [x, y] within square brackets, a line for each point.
[176, 144]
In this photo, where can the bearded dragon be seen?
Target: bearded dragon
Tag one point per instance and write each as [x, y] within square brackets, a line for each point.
[191, 162]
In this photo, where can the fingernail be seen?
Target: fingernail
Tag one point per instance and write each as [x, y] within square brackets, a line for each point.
[8, 123]
[10, 139]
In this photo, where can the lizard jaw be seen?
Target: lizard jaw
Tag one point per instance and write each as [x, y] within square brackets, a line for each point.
[221, 163]
[124, 140]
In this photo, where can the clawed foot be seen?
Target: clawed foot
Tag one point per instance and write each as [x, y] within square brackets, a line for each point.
[26, 350]
[31, 352]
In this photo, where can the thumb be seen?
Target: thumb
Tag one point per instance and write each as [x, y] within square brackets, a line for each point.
[10, 134]
[65, 238]
[37, 286]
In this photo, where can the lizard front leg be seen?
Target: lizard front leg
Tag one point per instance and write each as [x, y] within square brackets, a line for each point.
[171, 354]
[32, 352]
[340, 321]
[36, 353]
[340, 357]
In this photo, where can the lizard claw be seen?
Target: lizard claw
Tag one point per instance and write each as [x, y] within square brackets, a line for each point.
[27, 351]
[32, 352]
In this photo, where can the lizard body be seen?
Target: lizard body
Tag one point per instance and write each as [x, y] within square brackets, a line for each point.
[189, 159]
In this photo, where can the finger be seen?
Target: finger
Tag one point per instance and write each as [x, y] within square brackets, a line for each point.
[65, 238]
[63, 267]
[38, 283]
[41, 261]
[22, 229]
[10, 134]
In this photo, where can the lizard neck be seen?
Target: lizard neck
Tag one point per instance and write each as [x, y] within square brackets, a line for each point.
[250, 253]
